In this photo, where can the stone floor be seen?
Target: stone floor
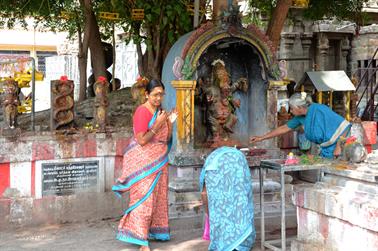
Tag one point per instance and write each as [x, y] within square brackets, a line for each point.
[94, 236]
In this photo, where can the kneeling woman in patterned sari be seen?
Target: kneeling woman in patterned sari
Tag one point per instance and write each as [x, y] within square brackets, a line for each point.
[226, 178]
[145, 172]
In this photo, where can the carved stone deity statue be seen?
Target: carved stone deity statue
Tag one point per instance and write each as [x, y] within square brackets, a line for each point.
[10, 103]
[220, 104]
[62, 103]
[101, 102]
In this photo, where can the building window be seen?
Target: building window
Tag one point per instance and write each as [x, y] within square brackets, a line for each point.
[42, 55]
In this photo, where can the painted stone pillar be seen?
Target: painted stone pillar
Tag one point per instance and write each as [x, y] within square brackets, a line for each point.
[185, 109]
[322, 53]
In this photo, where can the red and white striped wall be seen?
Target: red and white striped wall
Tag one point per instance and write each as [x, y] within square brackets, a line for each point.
[20, 161]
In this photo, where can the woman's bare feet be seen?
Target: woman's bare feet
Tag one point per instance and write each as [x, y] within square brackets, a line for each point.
[144, 248]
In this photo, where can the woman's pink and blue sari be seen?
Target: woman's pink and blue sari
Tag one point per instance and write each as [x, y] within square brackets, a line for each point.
[145, 176]
[228, 182]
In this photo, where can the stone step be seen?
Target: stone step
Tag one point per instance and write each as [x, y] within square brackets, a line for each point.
[185, 208]
[180, 225]
[175, 197]
[269, 195]
[185, 222]
[347, 183]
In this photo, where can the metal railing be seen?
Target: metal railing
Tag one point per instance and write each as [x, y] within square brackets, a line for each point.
[368, 78]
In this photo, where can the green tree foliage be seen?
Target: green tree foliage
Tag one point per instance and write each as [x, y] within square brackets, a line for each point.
[163, 23]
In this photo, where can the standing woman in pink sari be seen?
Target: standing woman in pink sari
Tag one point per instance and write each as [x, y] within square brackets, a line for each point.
[145, 172]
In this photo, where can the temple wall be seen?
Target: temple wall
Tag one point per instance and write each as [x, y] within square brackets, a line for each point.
[364, 45]
[22, 201]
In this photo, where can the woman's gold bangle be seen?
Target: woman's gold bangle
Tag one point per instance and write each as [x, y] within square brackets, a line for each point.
[153, 131]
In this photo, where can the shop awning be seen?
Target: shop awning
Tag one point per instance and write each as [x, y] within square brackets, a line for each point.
[327, 81]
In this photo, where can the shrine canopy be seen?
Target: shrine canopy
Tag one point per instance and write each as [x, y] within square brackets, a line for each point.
[326, 81]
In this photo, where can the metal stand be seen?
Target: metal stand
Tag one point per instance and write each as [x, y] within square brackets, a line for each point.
[279, 165]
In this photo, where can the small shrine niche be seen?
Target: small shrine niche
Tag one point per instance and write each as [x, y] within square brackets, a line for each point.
[230, 100]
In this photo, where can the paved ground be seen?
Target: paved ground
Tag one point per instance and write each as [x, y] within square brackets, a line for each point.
[90, 236]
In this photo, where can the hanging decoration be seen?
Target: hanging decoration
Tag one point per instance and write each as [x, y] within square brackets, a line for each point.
[300, 3]
[65, 15]
[111, 16]
[190, 9]
[137, 14]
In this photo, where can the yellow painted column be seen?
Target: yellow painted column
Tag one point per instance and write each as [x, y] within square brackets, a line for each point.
[320, 97]
[347, 106]
[185, 108]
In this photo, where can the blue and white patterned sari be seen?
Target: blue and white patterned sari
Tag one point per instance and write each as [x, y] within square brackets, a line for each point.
[229, 189]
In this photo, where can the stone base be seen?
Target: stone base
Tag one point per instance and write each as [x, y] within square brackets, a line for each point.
[27, 211]
[339, 213]
[11, 132]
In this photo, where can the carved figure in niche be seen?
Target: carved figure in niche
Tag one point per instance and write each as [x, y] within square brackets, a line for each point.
[220, 104]
[62, 103]
[10, 103]
[101, 102]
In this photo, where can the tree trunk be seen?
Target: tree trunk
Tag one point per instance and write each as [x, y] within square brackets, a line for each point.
[83, 58]
[97, 51]
[82, 61]
[277, 21]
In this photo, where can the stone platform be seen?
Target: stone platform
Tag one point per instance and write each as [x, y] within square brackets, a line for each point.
[341, 212]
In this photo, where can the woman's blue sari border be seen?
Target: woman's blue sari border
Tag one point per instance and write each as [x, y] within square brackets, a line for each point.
[246, 234]
[160, 237]
[144, 172]
[145, 196]
[126, 237]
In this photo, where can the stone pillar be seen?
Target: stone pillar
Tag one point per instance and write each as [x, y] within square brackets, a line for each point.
[306, 45]
[272, 99]
[345, 48]
[185, 109]
[322, 52]
[287, 42]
